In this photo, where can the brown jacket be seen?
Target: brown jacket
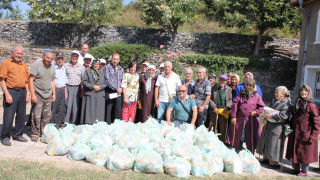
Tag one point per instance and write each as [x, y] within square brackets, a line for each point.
[214, 96]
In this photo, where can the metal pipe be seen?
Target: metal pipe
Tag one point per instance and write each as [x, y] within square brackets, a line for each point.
[307, 12]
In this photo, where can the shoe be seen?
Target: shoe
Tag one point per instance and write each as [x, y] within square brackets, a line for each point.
[34, 139]
[302, 174]
[276, 166]
[264, 161]
[20, 138]
[6, 142]
[295, 171]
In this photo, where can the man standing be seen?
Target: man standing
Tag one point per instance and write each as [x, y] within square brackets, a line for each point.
[145, 66]
[59, 105]
[202, 94]
[113, 73]
[185, 109]
[42, 89]
[14, 76]
[74, 74]
[189, 82]
[166, 87]
[84, 51]
[221, 102]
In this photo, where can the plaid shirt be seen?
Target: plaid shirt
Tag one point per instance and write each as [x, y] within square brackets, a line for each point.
[113, 77]
[201, 91]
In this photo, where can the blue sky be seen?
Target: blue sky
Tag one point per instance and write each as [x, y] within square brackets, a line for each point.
[24, 5]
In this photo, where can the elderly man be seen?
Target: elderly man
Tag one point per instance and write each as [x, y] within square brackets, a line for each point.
[161, 68]
[113, 73]
[247, 76]
[14, 75]
[84, 51]
[59, 105]
[185, 109]
[74, 74]
[42, 89]
[221, 102]
[166, 87]
[202, 94]
[87, 60]
[189, 82]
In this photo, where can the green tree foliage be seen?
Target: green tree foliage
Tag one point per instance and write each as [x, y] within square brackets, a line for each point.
[128, 52]
[14, 14]
[5, 5]
[260, 14]
[170, 14]
[79, 12]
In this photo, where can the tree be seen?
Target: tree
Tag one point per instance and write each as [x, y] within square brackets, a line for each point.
[261, 14]
[79, 12]
[5, 5]
[15, 14]
[170, 14]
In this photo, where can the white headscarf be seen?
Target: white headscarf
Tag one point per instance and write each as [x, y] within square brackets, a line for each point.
[149, 78]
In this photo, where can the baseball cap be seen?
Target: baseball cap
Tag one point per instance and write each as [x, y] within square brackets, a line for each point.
[75, 52]
[103, 61]
[212, 75]
[59, 54]
[223, 76]
[147, 64]
[162, 65]
[46, 50]
[88, 56]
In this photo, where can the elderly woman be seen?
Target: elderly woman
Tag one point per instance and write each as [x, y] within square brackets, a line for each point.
[272, 138]
[130, 89]
[234, 82]
[302, 147]
[93, 101]
[146, 93]
[245, 121]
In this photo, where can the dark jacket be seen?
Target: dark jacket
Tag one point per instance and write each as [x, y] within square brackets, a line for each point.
[214, 96]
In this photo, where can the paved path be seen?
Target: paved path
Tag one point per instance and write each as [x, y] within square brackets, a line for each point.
[36, 151]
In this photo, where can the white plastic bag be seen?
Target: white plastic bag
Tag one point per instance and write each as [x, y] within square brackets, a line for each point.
[250, 163]
[78, 151]
[120, 158]
[232, 162]
[49, 132]
[177, 167]
[148, 161]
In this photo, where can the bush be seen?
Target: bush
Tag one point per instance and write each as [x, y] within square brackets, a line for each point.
[128, 52]
[220, 64]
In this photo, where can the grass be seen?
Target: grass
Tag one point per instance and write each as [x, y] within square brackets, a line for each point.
[31, 169]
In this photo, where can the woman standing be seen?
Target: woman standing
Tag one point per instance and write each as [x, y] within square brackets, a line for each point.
[93, 101]
[272, 138]
[130, 89]
[302, 145]
[245, 121]
[234, 82]
[146, 93]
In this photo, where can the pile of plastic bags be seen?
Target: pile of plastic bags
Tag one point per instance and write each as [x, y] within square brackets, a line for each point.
[148, 147]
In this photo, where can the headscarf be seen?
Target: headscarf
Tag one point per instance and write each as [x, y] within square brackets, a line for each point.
[245, 92]
[285, 91]
[149, 78]
[95, 72]
[301, 103]
[250, 73]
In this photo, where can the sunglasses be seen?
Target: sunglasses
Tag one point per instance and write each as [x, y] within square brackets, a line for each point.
[182, 91]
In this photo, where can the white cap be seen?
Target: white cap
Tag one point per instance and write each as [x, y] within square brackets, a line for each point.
[103, 61]
[147, 64]
[88, 56]
[162, 65]
[75, 52]
[109, 58]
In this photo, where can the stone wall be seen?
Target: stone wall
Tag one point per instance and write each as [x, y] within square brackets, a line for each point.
[65, 35]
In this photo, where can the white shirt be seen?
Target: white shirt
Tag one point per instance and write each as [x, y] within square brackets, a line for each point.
[80, 59]
[173, 82]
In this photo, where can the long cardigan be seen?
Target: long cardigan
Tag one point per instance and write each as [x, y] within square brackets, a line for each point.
[306, 126]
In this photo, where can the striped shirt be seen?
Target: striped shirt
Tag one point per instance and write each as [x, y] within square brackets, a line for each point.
[113, 77]
[74, 73]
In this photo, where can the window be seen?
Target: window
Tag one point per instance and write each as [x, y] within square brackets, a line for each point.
[317, 40]
[312, 79]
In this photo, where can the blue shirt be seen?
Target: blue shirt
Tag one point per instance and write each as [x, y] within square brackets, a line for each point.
[61, 76]
[180, 113]
[190, 86]
[240, 87]
[201, 91]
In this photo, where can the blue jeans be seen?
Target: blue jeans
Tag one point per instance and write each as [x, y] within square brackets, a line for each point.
[162, 111]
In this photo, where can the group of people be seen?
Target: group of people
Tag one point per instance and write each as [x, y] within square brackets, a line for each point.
[85, 90]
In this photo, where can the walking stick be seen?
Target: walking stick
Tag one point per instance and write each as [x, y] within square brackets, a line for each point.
[252, 134]
[215, 127]
[234, 132]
